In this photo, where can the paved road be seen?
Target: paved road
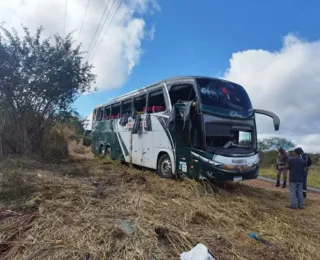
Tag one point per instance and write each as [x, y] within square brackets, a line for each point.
[274, 181]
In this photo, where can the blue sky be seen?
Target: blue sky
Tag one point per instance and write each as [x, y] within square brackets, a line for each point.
[199, 38]
[272, 48]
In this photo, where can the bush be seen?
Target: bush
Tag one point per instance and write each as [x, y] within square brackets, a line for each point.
[268, 158]
[40, 79]
[54, 145]
[86, 140]
[15, 185]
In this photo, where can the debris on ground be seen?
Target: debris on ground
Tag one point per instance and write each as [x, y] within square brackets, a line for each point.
[199, 252]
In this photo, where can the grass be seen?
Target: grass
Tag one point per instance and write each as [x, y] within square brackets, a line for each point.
[99, 209]
[313, 176]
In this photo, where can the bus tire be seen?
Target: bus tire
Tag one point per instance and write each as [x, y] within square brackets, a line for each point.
[102, 150]
[105, 151]
[164, 167]
[108, 153]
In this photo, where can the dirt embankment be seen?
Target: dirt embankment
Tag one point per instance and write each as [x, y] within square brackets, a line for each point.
[96, 209]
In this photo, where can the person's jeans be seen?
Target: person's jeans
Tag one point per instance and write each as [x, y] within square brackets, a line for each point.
[296, 194]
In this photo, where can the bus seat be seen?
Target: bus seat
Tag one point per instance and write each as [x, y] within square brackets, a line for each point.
[149, 109]
[158, 108]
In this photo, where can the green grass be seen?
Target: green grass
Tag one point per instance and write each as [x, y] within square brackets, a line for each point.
[313, 176]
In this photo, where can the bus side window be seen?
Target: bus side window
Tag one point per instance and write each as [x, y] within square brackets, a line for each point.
[127, 107]
[183, 92]
[100, 114]
[115, 111]
[106, 114]
[156, 101]
[140, 104]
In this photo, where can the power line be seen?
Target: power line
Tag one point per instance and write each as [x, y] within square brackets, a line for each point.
[98, 26]
[65, 18]
[101, 29]
[84, 18]
[108, 27]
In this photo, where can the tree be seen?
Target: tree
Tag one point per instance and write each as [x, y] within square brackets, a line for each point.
[262, 146]
[72, 119]
[274, 143]
[39, 78]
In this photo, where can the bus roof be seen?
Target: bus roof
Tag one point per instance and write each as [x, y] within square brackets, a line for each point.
[146, 88]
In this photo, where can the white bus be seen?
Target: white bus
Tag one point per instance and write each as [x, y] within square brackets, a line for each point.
[192, 126]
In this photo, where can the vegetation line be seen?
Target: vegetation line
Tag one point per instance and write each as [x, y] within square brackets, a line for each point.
[269, 179]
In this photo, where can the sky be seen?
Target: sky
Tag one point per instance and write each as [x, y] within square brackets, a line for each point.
[272, 48]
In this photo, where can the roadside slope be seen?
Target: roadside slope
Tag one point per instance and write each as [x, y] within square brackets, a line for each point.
[101, 210]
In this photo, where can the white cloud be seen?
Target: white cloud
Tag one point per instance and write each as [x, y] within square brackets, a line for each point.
[88, 122]
[286, 82]
[121, 48]
[152, 32]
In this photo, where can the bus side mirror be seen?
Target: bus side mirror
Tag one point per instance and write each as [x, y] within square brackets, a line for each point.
[276, 119]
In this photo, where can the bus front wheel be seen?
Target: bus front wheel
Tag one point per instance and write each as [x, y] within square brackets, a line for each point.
[105, 151]
[164, 167]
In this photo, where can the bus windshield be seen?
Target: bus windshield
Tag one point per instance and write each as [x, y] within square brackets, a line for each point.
[225, 136]
[224, 97]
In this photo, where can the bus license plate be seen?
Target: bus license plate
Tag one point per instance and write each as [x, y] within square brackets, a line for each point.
[237, 178]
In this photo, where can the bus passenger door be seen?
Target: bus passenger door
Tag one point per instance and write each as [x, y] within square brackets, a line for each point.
[138, 132]
[180, 129]
[136, 147]
[181, 93]
[146, 142]
[142, 142]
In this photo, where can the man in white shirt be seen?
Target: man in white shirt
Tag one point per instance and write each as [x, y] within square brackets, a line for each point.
[230, 143]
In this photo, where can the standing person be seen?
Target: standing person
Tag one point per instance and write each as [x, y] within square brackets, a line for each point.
[281, 167]
[296, 166]
[308, 161]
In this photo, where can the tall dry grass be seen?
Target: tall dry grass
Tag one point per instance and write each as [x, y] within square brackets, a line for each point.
[99, 209]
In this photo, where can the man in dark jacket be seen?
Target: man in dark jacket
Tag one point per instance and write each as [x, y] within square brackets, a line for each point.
[305, 175]
[281, 167]
[296, 166]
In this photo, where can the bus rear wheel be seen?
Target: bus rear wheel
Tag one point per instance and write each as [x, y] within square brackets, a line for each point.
[105, 151]
[164, 167]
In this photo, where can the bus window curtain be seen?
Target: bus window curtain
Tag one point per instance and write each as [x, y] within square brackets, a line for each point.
[136, 125]
[124, 119]
[187, 111]
[148, 123]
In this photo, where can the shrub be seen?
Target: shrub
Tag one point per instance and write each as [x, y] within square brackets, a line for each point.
[15, 185]
[54, 145]
[41, 77]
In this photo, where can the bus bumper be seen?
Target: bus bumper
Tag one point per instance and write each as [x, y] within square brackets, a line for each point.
[216, 175]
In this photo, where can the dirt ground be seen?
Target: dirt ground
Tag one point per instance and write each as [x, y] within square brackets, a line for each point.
[97, 209]
[271, 186]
